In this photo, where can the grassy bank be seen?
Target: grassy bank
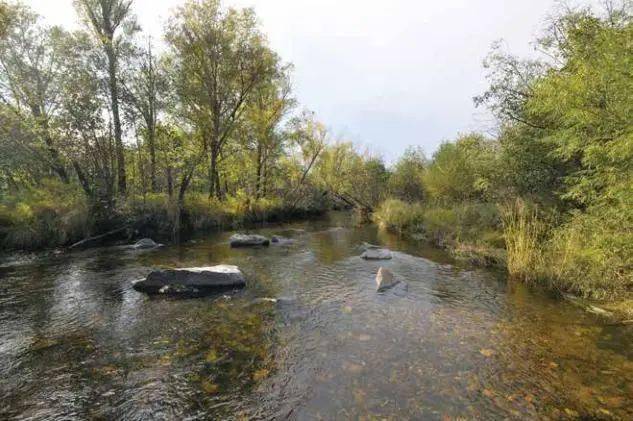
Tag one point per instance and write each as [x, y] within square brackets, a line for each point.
[469, 231]
[575, 257]
[59, 215]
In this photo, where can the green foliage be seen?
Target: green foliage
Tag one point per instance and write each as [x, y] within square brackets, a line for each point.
[592, 253]
[463, 170]
[399, 216]
[476, 223]
[51, 215]
[406, 180]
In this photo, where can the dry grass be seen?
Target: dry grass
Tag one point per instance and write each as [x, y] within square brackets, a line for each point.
[523, 232]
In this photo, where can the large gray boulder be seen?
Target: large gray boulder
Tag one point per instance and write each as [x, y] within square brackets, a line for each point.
[248, 240]
[376, 254]
[192, 280]
[385, 280]
[146, 243]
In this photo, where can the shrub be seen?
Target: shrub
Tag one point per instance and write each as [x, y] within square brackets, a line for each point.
[592, 254]
[399, 216]
[50, 215]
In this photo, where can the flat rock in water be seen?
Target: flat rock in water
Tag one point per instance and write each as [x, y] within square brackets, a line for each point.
[385, 280]
[146, 243]
[376, 254]
[281, 241]
[248, 240]
[192, 280]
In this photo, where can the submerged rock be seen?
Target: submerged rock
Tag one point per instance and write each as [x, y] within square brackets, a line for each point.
[248, 240]
[376, 254]
[192, 280]
[146, 243]
[385, 280]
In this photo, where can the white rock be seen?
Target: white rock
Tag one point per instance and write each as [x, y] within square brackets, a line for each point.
[385, 280]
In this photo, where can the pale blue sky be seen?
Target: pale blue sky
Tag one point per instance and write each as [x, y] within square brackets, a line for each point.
[384, 74]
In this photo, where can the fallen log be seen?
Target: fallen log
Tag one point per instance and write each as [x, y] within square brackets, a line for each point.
[96, 240]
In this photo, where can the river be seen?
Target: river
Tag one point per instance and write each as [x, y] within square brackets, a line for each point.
[77, 342]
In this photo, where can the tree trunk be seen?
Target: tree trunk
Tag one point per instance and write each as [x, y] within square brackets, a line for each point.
[214, 175]
[180, 204]
[116, 119]
[170, 182]
[56, 162]
[258, 181]
[152, 159]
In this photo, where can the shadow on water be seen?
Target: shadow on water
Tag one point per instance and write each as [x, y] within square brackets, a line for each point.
[77, 342]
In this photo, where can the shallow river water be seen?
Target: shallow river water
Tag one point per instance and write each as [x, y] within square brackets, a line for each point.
[77, 342]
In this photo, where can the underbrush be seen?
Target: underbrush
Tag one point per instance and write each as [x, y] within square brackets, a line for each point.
[590, 254]
[48, 216]
[470, 231]
[56, 215]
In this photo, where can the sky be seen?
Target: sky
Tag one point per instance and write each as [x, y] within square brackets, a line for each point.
[384, 74]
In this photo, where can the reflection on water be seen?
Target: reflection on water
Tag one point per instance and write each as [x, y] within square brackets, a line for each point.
[76, 341]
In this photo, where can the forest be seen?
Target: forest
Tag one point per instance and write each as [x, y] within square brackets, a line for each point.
[104, 127]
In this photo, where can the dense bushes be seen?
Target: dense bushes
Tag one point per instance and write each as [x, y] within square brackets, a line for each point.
[555, 188]
[52, 214]
[56, 215]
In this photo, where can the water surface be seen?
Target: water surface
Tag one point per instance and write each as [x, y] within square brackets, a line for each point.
[77, 342]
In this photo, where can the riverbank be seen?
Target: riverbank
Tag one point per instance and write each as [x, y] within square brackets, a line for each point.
[508, 237]
[57, 218]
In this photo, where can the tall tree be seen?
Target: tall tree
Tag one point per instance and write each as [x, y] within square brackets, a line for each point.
[82, 121]
[29, 81]
[270, 103]
[144, 89]
[107, 18]
[219, 58]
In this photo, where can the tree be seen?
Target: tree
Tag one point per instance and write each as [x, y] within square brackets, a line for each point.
[144, 90]
[219, 58]
[270, 103]
[463, 170]
[106, 18]
[308, 139]
[83, 123]
[29, 83]
[406, 180]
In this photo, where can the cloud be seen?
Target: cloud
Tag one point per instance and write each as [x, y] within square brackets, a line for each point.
[388, 74]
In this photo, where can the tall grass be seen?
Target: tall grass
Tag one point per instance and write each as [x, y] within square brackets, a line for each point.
[523, 232]
[51, 215]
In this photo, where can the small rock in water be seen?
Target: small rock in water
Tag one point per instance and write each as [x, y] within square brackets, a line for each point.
[248, 240]
[376, 254]
[191, 280]
[146, 243]
[281, 241]
[385, 280]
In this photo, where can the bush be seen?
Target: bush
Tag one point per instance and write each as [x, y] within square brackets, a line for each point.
[592, 254]
[475, 223]
[400, 216]
[50, 215]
